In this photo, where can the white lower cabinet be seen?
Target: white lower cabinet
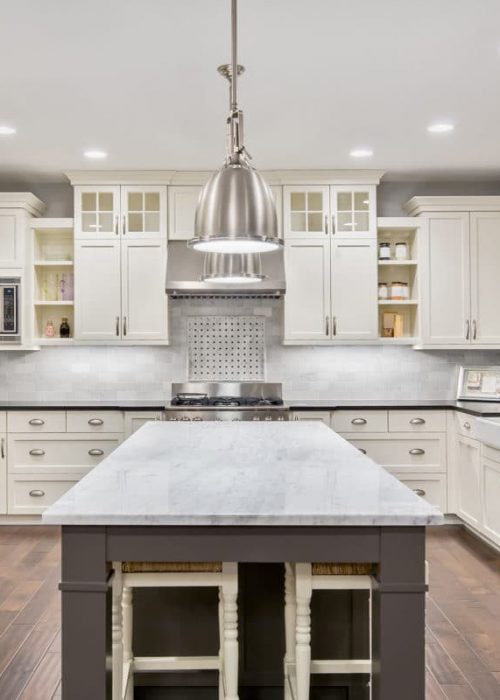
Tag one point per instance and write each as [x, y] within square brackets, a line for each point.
[29, 495]
[430, 487]
[3, 472]
[136, 419]
[468, 482]
[322, 416]
[490, 483]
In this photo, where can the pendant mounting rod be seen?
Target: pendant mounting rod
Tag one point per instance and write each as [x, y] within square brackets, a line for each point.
[234, 55]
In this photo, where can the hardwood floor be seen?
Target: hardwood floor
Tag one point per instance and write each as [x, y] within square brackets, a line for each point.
[463, 616]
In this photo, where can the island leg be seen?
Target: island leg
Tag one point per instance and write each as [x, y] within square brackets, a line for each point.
[398, 638]
[84, 589]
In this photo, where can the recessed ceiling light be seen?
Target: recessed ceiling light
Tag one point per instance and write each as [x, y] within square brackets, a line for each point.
[361, 153]
[440, 127]
[7, 130]
[96, 154]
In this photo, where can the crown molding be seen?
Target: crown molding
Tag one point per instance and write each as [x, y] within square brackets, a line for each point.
[199, 177]
[417, 206]
[22, 200]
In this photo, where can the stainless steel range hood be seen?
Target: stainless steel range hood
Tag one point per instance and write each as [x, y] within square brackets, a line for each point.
[185, 270]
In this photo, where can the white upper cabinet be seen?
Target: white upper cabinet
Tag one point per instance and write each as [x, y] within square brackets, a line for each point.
[182, 202]
[97, 291]
[143, 211]
[97, 211]
[446, 279]
[354, 289]
[12, 227]
[307, 299]
[353, 211]
[306, 211]
[485, 277]
[144, 302]
[109, 211]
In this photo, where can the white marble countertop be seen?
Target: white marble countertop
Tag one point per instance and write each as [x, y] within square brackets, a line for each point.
[290, 473]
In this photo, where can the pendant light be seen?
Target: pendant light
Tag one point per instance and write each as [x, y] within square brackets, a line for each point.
[236, 211]
[235, 268]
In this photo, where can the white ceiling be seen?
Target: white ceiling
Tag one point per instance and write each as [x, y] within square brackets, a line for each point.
[138, 79]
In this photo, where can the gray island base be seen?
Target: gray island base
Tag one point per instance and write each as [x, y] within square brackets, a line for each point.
[259, 494]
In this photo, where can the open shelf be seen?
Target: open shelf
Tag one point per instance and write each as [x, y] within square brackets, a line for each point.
[53, 263]
[397, 302]
[397, 263]
[54, 303]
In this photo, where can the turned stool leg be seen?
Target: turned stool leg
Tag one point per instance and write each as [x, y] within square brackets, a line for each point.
[128, 655]
[117, 633]
[230, 627]
[290, 624]
[303, 587]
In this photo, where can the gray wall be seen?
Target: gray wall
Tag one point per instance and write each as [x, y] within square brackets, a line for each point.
[306, 372]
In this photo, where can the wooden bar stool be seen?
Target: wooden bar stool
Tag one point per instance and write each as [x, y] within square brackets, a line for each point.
[300, 581]
[130, 575]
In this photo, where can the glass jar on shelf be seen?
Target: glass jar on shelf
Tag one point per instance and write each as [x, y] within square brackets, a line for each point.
[384, 250]
[401, 250]
[399, 291]
[383, 291]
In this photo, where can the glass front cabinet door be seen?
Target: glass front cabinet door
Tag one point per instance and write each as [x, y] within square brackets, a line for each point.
[306, 211]
[143, 211]
[97, 210]
[353, 211]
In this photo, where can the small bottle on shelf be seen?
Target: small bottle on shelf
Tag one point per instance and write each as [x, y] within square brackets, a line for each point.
[64, 328]
[49, 330]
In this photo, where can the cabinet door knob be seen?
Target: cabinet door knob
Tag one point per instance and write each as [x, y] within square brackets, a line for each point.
[96, 452]
[36, 421]
[37, 493]
[417, 421]
[96, 421]
[417, 451]
[467, 425]
[419, 492]
[37, 452]
[359, 421]
[362, 450]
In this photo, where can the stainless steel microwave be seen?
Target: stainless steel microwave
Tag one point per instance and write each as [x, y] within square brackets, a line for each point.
[9, 307]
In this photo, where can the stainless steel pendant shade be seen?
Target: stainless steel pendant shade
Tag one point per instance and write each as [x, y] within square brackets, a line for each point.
[236, 213]
[232, 269]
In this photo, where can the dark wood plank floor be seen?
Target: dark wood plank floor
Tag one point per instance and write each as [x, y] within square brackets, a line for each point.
[463, 616]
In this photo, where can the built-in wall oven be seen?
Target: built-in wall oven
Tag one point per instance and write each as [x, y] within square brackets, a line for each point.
[10, 312]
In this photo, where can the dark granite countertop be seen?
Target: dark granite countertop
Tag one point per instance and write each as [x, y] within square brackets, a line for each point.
[475, 408]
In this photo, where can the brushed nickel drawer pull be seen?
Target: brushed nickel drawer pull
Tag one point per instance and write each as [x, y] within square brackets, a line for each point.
[417, 421]
[37, 493]
[327, 326]
[36, 452]
[117, 329]
[467, 330]
[2, 448]
[467, 425]
[362, 450]
[326, 224]
[359, 421]
[96, 421]
[96, 452]
[37, 421]
[474, 331]
[124, 225]
[417, 451]
[419, 492]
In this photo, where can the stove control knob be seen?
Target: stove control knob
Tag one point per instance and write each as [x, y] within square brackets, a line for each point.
[256, 418]
[235, 419]
[268, 418]
[185, 418]
[197, 418]
[172, 419]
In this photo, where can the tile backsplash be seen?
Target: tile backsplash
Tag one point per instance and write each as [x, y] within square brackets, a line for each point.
[307, 372]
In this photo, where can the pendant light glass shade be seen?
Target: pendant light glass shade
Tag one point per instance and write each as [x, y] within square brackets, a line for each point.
[236, 213]
[232, 269]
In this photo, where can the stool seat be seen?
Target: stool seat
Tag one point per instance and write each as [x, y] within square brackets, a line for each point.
[328, 569]
[160, 567]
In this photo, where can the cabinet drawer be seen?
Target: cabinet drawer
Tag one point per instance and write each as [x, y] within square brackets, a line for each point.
[94, 421]
[3, 421]
[323, 416]
[36, 421]
[135, 420]
[465, 425]
[31, 496]
[431, 487]
[359, 421]
[416, 421]
[406, 452]
[53, 453]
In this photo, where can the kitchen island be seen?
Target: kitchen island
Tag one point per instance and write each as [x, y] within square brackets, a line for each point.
[246, 492]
